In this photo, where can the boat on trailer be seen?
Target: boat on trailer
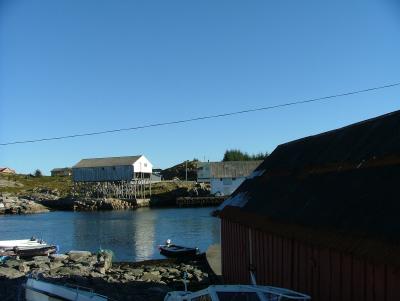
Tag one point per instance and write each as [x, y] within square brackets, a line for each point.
[238, 293]
[39, 290]
[172, 250]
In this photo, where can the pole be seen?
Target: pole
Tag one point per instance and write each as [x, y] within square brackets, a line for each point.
[186, 170]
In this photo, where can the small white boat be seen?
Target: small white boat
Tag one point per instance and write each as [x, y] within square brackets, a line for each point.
[32, 242]
[26, 247]
[39, 290]
[238, 293]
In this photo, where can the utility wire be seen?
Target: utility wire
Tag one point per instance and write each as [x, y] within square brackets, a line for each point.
[324, 98]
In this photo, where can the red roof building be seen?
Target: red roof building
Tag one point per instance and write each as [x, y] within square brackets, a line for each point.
[7, 170]
[321, 216]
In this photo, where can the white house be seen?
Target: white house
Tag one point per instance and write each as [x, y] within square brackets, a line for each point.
[225, 177]
[112, 169]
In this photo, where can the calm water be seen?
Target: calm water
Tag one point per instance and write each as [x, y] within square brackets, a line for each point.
[131, 235]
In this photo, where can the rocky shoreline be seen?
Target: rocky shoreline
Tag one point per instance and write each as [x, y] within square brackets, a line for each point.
[43, 200]
[20, 205]
[147, 280]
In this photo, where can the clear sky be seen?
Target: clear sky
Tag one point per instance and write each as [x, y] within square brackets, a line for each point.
[72, 66]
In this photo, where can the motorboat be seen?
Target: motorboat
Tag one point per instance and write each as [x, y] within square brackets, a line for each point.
[40, 290]
[171, 250]
[238, 293]
[26, 248]
[4, 244]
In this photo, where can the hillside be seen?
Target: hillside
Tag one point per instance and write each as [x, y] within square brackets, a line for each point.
[178, 171]
[27, 184]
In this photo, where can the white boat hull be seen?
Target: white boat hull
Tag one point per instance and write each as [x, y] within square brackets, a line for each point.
[38, 290]
[5, 244]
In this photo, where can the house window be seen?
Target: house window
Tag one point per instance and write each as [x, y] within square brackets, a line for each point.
[102, 168]
[145, 164]
[233, 179]
[113, 167]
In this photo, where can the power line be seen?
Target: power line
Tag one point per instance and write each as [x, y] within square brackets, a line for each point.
[324, 98]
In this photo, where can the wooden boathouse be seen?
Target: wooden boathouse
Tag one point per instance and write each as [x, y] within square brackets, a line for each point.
[122, 177]
[321, 215]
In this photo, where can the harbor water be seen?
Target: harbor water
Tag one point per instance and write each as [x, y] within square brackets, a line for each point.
[131, 235]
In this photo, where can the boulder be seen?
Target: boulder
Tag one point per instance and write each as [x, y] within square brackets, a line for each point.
[129, 277]
[23, 268]
[174, 271]
[12, 263]
[151, 277]
[55, 265]
[41, 266]
[137, 272]
[78, 256]
[96, 275]
[101, 270]
[10, 273]
[58, 257]
[104, 259]
[41, 259]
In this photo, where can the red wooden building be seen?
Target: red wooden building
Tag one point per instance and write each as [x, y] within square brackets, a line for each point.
[321, 215]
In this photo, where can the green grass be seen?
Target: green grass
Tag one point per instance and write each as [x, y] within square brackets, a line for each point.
[23, 184]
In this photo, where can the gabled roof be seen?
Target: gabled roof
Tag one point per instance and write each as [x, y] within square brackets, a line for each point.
[231, 169]
[61, 169]
[6, 168]
[110, 161]
[339, 189]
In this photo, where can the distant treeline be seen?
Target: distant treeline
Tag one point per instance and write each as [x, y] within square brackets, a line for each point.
[238, 155]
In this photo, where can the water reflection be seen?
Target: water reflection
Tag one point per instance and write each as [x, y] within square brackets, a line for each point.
[131, 235]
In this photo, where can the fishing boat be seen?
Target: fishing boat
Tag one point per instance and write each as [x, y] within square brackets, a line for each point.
[172, 250]
[238, 292]
[26, 248]
[39, 290]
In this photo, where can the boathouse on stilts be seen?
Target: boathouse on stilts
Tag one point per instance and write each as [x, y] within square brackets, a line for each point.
[126, 177]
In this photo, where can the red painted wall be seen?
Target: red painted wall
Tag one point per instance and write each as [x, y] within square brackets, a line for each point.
[324, 274]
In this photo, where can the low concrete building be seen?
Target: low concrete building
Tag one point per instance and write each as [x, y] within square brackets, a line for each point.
[62, 172]
[225, 177]
[112, 169]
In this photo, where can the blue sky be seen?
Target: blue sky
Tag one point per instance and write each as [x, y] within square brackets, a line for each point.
[72, 66]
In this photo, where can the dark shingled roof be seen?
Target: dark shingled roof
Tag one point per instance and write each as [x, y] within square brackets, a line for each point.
[339, 189]
[111, 161]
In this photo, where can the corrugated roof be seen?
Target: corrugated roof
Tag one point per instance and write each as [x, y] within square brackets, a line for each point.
[338, 189]
[233, 169]
[110, 161]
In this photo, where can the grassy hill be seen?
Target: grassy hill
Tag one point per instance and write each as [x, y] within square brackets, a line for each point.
[62, 186]
[178, 171]
[25, 184]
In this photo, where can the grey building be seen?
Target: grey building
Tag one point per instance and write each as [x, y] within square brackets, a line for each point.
[66, 171]
[225, 177]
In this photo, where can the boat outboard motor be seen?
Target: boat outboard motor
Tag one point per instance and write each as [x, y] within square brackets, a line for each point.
[168, 242]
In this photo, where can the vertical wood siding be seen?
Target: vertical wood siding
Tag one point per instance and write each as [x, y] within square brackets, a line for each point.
[325, 274]
[100, 174]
